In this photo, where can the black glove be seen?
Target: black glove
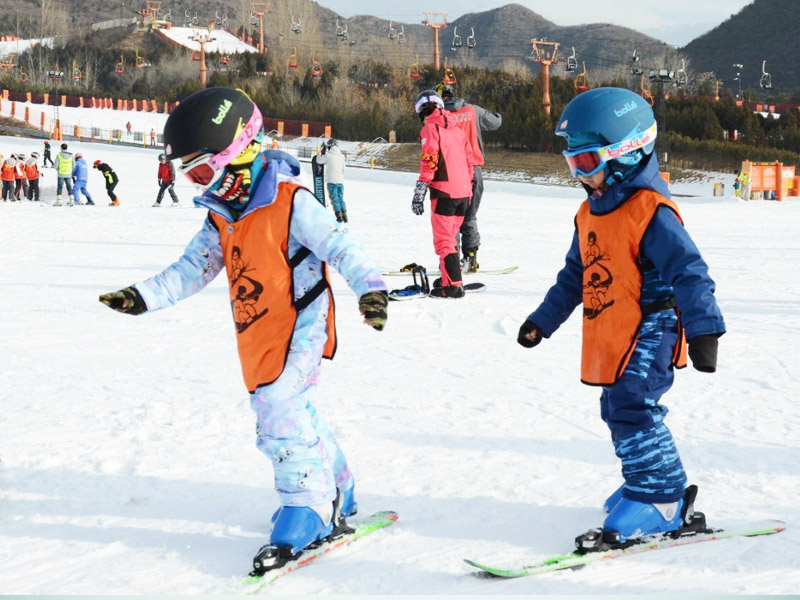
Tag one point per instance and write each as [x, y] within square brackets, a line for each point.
[703, 352]
[417, 204]
[128, 301]
[526, 328]
[373, 306]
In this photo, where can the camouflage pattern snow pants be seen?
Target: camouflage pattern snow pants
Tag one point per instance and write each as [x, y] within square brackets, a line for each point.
[651, 465]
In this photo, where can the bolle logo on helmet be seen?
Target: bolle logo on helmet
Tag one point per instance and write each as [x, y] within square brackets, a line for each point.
[629, 106]
[222, 112]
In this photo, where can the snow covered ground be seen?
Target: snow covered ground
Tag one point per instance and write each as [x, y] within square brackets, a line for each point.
[222, 41]
[20, 46]
[127, 446]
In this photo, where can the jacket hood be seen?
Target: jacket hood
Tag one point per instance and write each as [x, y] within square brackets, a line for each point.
[439, 118]
[453, 103]
[643, 177]
[334, 150]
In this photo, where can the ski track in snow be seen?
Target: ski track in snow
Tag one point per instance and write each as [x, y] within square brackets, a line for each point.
[127, 454]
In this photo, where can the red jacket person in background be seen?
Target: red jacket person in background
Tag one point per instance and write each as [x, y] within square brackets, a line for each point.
[446, 168]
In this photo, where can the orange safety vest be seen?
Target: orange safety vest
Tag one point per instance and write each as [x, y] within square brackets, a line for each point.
[7, 172]
[32, 172]
[612, 285]
[260, 277]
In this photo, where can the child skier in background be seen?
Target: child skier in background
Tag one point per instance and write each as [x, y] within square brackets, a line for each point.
[737, 185]
[80, 175]
[274, 238]
[166, 180]
[111, 181]
[445, 168]
[643, 283]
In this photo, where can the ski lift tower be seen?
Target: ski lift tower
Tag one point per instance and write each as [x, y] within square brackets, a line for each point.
[545, 53]
[202, 37]
[258, 10]
[661, 78]
[435, 21]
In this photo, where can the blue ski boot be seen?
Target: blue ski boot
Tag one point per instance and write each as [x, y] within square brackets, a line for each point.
[295, 529]
[613, 499]
[631, 519]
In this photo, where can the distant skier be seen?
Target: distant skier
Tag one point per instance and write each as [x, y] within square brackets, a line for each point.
[633, 332]
[65, 163]
[737, 184]
[274, 239]
[334, 162]
[472, 120]
[8, 176]
[80, 175]
[111, 181]
[33, 176]
[445, 168]
[20, 182]
[318, 174]
[47, 156]
[166, 180]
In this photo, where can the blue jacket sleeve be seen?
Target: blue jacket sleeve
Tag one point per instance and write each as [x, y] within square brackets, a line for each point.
[201, 262]
[313, 228]
[564, 296]
[673, 252]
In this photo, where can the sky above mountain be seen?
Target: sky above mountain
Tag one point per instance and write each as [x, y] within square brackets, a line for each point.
[676, 22]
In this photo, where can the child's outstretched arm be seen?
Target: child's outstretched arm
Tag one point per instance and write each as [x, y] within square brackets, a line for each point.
[313, 228]
[200, 263]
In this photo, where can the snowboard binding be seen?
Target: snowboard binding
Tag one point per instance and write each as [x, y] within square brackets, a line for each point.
[420, 285]
[601, 540]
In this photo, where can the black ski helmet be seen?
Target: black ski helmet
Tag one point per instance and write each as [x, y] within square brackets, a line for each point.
[207, 121]
[427, 102]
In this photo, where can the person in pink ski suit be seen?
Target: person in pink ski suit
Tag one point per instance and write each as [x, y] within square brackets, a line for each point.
[446, 168]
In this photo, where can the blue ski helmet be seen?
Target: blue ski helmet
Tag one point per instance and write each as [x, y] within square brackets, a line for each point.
[605, 116]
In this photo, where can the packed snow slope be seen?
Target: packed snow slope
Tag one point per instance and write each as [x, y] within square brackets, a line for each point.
[127, 444]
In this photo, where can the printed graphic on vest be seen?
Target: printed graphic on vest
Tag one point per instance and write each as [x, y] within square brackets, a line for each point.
[248, 291]
[597, 279]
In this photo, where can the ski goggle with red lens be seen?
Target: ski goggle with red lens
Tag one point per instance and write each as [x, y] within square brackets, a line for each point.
[589, 160]
[200, 171]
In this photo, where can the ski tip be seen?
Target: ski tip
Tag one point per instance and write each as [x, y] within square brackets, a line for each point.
[386, 515]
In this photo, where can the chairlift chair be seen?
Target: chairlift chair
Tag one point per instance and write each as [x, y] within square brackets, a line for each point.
[645, 93]
[635, 69]
[292, 63]
[766, 78]
[414, 72]
[224, 59]
[76, 75]
[471, 39]
[572, 62]
[23, 76]
[681, 78]
[196, 55]
[253, 19]
[401, 35]
[119, 68]
[581, 85]
[339, 29]
[316, 68]
[195, 20]
[449, 75]
[456, 39]
[392, 32]
[298, 26]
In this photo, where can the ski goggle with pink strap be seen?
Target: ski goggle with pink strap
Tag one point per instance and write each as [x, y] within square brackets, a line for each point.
[205, 169]
[587, 161]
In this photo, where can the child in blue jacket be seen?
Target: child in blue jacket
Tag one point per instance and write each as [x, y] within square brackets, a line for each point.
[80, 177]
[642, 283]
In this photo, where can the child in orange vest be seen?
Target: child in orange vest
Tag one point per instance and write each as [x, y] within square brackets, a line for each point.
[32, 174]
[643, 284]
[8, 172]
[274, 239]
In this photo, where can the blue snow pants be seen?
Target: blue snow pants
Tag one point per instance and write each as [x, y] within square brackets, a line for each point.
[308, 463]
[336, 192]
[651, 465]
[80, 188]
